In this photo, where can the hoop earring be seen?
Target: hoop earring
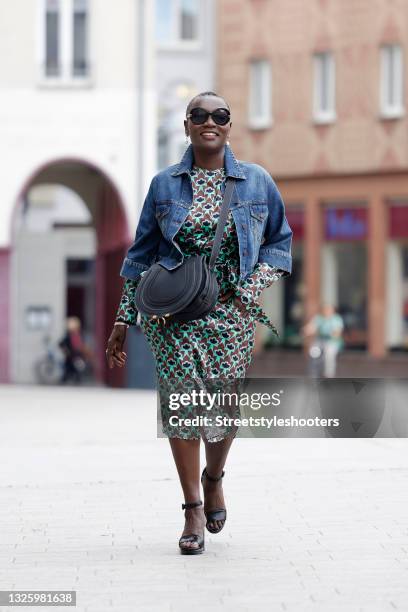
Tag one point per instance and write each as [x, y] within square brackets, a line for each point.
[187, 140]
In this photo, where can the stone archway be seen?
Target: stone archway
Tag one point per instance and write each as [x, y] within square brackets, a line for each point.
[106, 207]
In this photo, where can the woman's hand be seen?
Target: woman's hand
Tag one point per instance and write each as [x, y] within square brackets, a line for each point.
[114, 353]
[237, 302]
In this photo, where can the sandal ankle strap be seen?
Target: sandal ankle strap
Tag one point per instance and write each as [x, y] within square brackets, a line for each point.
[191, 505]
[212, 477]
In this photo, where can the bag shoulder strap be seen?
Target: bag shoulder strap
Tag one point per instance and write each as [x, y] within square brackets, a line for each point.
[229, 187]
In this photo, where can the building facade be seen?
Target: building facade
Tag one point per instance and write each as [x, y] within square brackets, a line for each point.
[78, 111]
[318, 92]
[185, 44]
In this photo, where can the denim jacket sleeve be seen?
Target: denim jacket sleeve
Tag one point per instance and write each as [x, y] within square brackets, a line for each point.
[141, 253]
[276, 248]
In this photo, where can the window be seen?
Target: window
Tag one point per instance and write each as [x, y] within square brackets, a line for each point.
[80, 17]
[177, 22]
[188, 19]
[391, 81]
[260, 98]
[324, 88]
[52, 36]
[64, 41]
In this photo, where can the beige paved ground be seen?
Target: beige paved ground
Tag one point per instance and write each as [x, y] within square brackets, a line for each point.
[90, 501]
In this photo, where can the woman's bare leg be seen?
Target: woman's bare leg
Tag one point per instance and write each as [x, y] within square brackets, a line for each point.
[186, 455]
[216, 455]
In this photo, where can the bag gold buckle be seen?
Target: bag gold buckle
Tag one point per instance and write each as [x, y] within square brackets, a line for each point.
[161, 319]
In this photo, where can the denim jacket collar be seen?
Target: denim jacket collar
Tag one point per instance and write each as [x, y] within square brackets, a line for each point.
[232, 166]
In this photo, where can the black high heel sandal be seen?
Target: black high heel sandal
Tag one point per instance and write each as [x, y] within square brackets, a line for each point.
[218, 514]
[192, 537]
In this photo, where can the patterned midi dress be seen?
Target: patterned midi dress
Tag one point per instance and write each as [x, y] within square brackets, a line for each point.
[220, 345]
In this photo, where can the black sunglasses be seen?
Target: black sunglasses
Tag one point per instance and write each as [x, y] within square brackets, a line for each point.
[220, 116]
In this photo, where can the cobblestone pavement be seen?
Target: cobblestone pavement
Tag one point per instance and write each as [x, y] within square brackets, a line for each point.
[91, 502]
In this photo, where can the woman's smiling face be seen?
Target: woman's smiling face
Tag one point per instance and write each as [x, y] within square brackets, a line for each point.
[209, 136]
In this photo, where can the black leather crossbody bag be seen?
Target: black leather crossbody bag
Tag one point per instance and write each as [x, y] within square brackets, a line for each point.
[189, 291]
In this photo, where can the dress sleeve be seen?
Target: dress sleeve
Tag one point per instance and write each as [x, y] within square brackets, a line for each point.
[262, 277]
[127, 312]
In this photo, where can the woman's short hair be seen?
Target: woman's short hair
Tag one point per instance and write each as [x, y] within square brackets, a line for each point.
[202, 95]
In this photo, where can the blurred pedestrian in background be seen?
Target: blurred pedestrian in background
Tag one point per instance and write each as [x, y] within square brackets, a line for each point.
[77, 354]
[326, 328]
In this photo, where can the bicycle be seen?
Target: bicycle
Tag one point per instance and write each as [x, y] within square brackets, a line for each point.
[49, 367]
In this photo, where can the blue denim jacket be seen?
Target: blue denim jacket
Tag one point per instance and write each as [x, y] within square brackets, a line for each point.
[257, 208]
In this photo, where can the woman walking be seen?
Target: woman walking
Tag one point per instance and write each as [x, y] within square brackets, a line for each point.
[178, 220]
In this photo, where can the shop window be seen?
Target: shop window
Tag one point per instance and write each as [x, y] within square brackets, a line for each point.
[397, 277]
[344, 284]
